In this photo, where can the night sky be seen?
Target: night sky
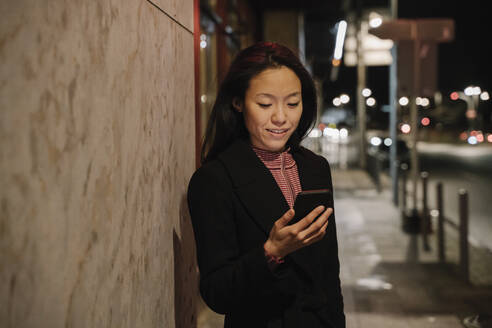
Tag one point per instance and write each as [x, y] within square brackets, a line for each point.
[464, 61]
[467, 59]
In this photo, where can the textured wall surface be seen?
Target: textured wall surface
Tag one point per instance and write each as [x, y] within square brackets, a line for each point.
[96, 150]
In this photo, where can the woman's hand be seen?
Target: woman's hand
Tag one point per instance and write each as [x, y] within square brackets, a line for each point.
[285, 239]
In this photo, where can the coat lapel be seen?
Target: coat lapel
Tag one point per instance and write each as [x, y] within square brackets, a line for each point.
[254, 185]
[309, 173]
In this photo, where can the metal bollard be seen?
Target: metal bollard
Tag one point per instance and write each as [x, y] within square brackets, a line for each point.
[424, 220]
[379, 164]
[464, 255]
[441, 246]
[404, 168]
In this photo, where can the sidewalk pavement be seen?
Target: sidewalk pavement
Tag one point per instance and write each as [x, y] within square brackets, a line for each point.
[388, 280]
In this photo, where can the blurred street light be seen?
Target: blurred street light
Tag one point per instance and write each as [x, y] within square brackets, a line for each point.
[422, 101]
[344, 98]
[472, 140]
[403, 101]
[405, 128]
[343, 133]
[468, 91]
[339, 45]
[472, 91]
[475, 137]
[375, 19]
[366, 92]
[342, 28]
[371, 102]
[203, 41]
[376, 141]
[471, 95]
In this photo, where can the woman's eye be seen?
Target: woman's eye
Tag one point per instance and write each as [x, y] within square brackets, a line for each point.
[293, 104]
[264, 105]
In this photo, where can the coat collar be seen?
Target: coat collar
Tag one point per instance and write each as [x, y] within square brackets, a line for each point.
[258, 191]
[254, 184]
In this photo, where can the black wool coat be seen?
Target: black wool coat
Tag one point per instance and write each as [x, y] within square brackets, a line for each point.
[234, 201]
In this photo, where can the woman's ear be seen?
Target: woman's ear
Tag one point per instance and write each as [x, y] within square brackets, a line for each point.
[237, 104]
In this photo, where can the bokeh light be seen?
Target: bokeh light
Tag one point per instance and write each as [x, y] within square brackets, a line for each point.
[405, 128]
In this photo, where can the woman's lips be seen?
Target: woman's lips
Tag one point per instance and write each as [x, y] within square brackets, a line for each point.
[278, 132]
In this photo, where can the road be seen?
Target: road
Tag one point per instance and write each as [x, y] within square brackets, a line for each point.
[467, 167]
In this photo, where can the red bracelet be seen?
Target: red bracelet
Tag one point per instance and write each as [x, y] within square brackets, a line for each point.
[272, 258]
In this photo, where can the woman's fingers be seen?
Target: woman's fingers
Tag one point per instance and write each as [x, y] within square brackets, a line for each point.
[285, 219]
[285, 238]
[316, 226]
[308, 219]
[318, 235]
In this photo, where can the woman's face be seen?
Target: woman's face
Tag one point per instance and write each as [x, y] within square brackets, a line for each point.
[272, 108]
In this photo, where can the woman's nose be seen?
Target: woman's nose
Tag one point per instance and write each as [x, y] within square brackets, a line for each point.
[278, 116]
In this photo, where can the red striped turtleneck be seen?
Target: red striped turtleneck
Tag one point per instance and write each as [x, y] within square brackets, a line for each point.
[284, 169]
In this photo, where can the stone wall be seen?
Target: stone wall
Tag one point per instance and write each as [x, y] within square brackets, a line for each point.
[96, 149]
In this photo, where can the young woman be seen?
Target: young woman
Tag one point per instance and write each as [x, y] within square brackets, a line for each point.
[255, 267]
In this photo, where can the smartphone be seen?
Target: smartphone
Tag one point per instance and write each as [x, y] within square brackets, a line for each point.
[308, 200]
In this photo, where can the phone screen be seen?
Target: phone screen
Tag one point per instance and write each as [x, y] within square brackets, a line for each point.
[308, 200]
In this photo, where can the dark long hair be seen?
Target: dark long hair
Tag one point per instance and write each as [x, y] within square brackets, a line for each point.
[226, 124]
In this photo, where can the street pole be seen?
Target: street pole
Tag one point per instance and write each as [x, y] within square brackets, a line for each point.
[361, 84]
[414, 119]
[393, 121]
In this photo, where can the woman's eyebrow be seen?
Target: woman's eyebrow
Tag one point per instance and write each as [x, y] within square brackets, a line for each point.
[296, 93]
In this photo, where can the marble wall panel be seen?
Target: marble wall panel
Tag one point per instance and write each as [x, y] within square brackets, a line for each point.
[96, 150]
[178, 10]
